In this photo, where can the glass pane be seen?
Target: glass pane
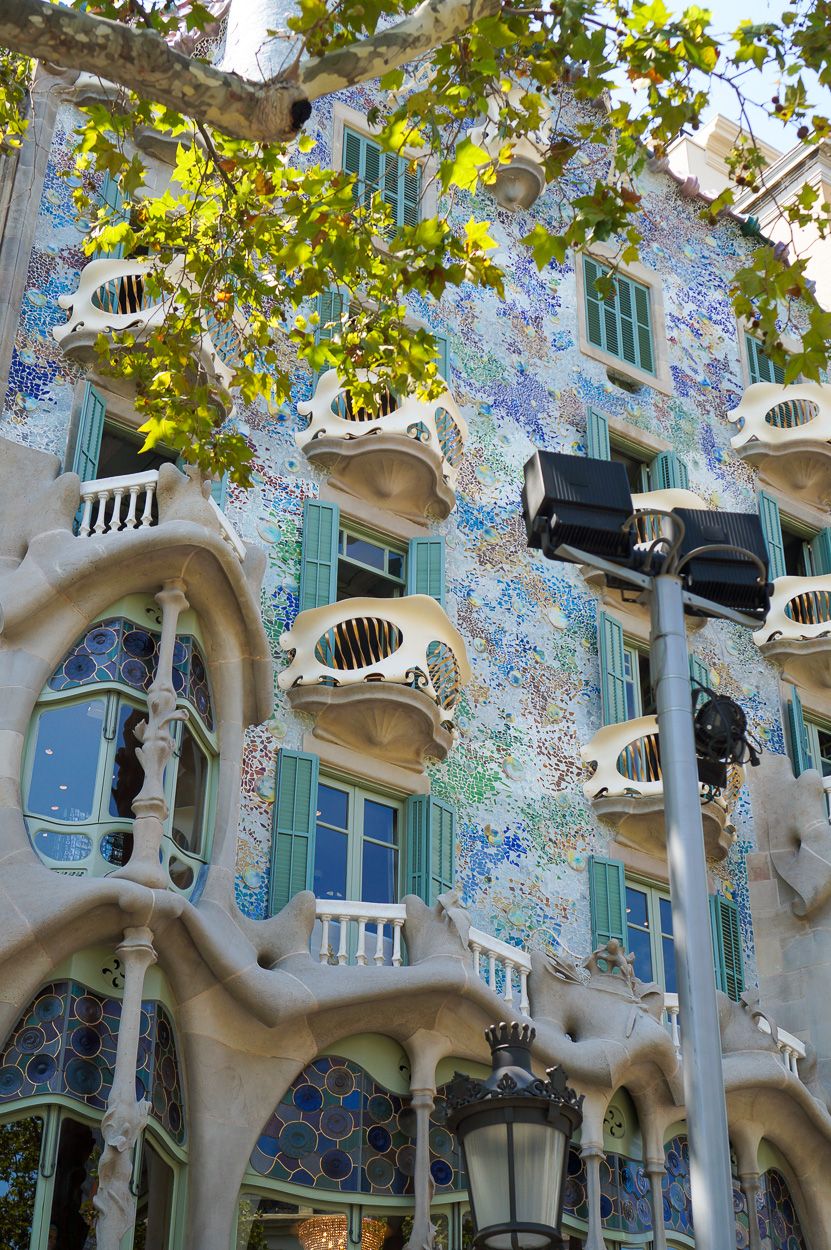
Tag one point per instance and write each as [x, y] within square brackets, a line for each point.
[269, 1223]
[330, 863]
[355, 582]
[63, 847]
[154, 1203]
[668, 956]
[666, 915]
[538, 1168]
[365, 552]
[824, 739]
[191, 795]
[380, 821]
[630, 683]
[640, 947]
[19, 1155]
[128, 776]
[636, 907]
[379, 873]
[333, 806]
[65, 761]
[76, 1179]
[486, 1150]
[116, 848]
[395, 564]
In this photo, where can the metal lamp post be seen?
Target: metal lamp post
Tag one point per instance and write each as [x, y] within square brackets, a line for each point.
[514, 1129]
[713, 564]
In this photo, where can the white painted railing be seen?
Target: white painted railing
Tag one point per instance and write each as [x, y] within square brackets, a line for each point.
[671, 1014]
[438, 423]
[110, 504]
[345, 924]
[501, 966]
[800, 608]
[790, 1048]
[230, 535]
[774, 416]
[408, 641]
[649, 528]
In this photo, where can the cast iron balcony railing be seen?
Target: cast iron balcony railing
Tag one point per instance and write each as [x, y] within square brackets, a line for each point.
[380, 675]
[400, 454]
[786, 431]
[627, 789]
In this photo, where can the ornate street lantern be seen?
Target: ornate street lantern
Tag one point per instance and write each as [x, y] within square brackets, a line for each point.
[514, 1130]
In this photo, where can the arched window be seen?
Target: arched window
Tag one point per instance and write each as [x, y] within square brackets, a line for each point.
[81, 773]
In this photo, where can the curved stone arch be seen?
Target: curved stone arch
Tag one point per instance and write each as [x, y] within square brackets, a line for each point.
[771, 1159]
[621, 1125]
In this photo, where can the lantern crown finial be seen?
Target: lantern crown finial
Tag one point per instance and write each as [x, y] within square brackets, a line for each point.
[505, 1036]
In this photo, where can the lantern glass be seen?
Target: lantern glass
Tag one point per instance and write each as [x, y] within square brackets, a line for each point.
[538, 1176]
[486, 1159]
[537, 1149]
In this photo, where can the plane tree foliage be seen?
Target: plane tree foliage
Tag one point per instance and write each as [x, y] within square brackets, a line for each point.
[253, 225]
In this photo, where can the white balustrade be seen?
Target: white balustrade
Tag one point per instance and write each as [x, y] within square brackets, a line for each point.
[408, 641]
[111, 504]
[436, 423]
[344, 925]
[648, 527]
[800, 609]
[790, 1048]
[502, 967]
[774, 417]
[671, 1013]
[228, 532]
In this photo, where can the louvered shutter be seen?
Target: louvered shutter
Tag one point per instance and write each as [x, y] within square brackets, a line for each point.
[595, 306]
[699, 672]
[800, 746]
[643, 327]
[597, 435]
[821, 552]
[330, 307]
[612, 669]
[409, 192]
[772, 531]
[667, 472]
[219, 491]
[112, 199]
[425, 568]
[431, 842]
[727, 946]
[760, 367]
[319, 559]
[90, 433]
[607, 896]
[625, 300]
[293, 827]
[351, 161]
[442, 357]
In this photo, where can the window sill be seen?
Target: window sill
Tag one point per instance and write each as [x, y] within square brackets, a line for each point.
[629, 373]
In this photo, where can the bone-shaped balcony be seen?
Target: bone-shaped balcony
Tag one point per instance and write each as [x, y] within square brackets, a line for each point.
[382, 676]
[627, 788]
[785, 431]
[399, 454]
[797, 630]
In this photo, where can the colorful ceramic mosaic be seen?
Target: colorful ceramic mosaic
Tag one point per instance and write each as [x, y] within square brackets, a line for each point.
[118, 650]
[65, 1044]
[338, 1128]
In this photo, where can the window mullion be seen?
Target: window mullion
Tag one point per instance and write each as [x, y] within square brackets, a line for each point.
[106, 757]
[655, 935]
[355, 842]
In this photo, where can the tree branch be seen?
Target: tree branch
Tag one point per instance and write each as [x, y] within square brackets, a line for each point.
[268, 111]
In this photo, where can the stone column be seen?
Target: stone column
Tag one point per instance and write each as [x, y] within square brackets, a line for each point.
[655, 1172]
[421, 1238]
[156, 749]
[750, 1189]
[125, 1116]
[592, 1153]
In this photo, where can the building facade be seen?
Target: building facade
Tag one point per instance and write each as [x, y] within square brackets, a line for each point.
[277, 759]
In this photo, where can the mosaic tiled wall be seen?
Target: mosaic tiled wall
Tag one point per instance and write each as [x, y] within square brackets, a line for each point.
[514, 776]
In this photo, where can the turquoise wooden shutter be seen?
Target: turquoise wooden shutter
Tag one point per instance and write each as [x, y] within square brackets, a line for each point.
[612, 669]
[442, 357]
[800, 747]
[607, 896]
[597, 309]
[90, 433]
[293, 827]
[727, 946]
[112, 198]
[425, 568]
[597, 435]
[219, 491]
[760, 367]
[821, 552]
[330, 307]
[634, 323]
[699, 672]
[431, 847]
[772, 530]
[319, 559]
[409, 192]
[667, 472]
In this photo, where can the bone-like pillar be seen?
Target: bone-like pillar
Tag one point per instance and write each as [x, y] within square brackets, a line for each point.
[750, 1189]
[150, 805]
[421, 1237]
[125, 1116]
[655, 1172]
[592, 1153]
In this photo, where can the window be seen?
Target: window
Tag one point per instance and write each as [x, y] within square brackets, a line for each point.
[639, 914]
[395, 177]
[794, 550]
[760, 368]
[340, 561]
[640, 700]
[345, 841]
[810, 743]
[81, 772]
[621, 324]
[646, 470]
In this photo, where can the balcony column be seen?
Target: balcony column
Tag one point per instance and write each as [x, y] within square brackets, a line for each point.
[125, 1117]
[150, 805]
[750, 1188]
[655, 1171]
[592, 1153]
[424, 1049]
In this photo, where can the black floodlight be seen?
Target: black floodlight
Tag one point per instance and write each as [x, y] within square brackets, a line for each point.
[576, 502]
[727, 574]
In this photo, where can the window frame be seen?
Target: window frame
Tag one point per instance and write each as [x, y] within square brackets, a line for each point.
[357, 794]
[346, 117]
[655, 892]
[743, 332]
[814, 726]
[348, 528]
[661, 379]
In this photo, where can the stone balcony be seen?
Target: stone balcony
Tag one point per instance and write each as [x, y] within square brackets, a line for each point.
[627, 789]
[382, 676]
[797, 630]
[112, 298]
[404, 457]
[785, 432]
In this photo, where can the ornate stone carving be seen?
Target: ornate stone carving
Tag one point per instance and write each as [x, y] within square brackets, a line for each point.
[614, 957]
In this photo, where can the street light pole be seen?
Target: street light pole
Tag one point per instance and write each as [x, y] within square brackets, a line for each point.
[710, 1176]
